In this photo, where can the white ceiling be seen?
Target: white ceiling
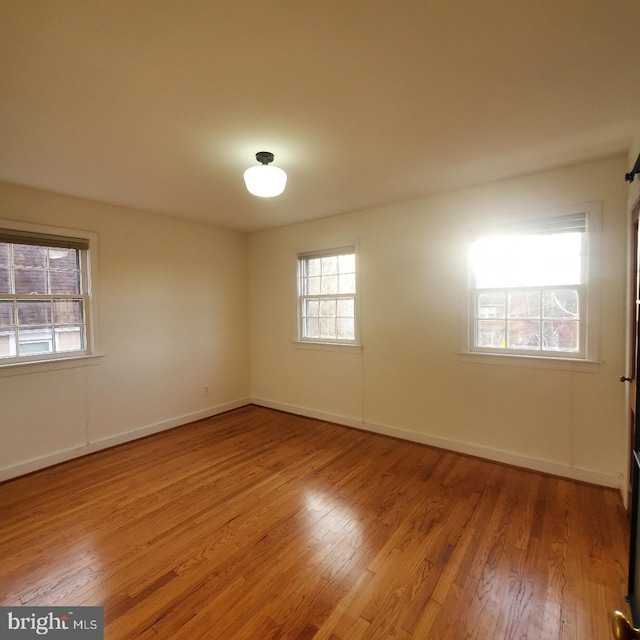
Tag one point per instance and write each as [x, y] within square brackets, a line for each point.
[161, 104]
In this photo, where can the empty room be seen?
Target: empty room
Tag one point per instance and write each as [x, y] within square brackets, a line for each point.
[318, 320]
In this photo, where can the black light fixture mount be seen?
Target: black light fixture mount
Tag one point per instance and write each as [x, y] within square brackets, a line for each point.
[636, 169]
[264, 157]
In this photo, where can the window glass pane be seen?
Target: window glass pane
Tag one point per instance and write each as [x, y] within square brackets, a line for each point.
[66, 259]
[6, 313]
[490, 333]
[560, 304]
[64, 282]
[328, 308]
[313, 267]
[67, 311]
[491, 305]
[328, 328]
[347, 263]
[35, 341]
[34, 313]
[311, 328]
[524, 304]
[46, 312]
[329, 265]
[561, 335]
[526, 260]
[324, 313]
[5, 280]
[31, 281]
[311, 308]
[347, 283]
[523, 334]
[312, 287]
[27, 255]
[346, 329]
[35, 347]
[346, 308]
[7, 344]
[329, 285]
[69, 339]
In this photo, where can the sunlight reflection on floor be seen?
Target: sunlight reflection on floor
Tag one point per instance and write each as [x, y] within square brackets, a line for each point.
[332, 523]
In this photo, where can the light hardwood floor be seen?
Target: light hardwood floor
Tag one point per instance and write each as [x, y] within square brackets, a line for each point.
[260, 525]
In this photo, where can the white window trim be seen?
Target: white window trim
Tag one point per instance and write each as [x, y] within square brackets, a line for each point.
[92, 354]
[591, 360]
[316, 345]
[67, 362]
[353, 346]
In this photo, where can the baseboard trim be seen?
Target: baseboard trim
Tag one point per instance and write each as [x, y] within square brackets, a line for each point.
[551, 467]
[64, 455]
[309, 413]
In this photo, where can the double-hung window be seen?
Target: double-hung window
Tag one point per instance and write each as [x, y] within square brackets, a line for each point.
[44, 296]
[327, 296]
[528, 289]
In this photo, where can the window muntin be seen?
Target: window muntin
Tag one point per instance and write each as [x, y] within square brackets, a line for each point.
[528, 289]
[327, 296]
[44, 297]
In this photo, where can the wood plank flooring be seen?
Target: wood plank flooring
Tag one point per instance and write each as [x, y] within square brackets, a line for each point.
[261, 525]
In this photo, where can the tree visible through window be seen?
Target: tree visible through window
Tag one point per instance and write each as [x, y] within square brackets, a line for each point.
[43, 296]
[529, 289]
[327, 296]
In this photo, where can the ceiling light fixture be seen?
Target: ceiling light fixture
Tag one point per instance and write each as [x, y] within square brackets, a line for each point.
[265, 181]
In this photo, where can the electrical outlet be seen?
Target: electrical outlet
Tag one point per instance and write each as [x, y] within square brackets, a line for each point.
[206, 390]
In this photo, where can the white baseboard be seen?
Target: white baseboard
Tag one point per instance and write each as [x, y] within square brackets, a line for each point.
[97, 445]
[309, 413]
[552, 467]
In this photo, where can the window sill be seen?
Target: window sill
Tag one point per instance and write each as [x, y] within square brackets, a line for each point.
[21, 368]
[328, 346]
[532, 362]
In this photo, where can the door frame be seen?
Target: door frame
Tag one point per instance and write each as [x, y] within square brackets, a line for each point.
[632, 374]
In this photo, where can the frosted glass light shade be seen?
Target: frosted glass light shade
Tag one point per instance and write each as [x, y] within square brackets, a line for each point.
[265, 181]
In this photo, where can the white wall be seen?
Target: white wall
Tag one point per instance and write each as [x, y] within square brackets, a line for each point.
[408, 380]
[172, 320]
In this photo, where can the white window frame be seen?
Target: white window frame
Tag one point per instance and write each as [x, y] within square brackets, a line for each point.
[339, 343]
[587, 359]
[48, 235]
